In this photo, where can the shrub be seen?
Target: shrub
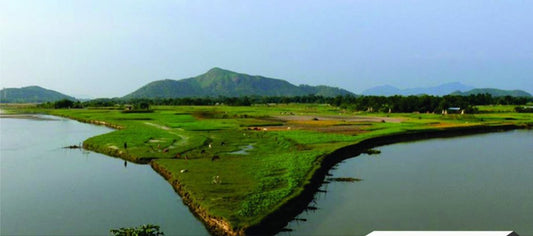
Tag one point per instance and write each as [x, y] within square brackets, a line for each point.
[143, 230]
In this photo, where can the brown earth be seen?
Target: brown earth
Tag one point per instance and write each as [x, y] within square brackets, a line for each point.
[349, 125]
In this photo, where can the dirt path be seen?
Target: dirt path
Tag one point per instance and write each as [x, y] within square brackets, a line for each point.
[184, 139]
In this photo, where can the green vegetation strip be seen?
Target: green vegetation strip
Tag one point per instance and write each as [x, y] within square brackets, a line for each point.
[235, 166]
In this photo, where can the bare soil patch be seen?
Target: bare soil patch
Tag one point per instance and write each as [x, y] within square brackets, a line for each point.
[349, 125]
[339, 118]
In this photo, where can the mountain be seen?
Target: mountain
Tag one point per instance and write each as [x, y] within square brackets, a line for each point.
[494, 92]
[31, 94]
[219, 82]
[384, 90]
[322, 90]
[441, 90]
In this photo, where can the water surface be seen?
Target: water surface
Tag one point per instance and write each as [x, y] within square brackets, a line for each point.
[479, 182]
[48, 190]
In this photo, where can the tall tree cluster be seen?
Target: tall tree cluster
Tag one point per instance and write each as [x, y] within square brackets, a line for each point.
[423, 103]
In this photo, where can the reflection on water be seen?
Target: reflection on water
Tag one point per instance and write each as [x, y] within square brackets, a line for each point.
[48, 190]
[480, 182]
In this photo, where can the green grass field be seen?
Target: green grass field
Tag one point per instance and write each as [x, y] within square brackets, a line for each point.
[242, 163]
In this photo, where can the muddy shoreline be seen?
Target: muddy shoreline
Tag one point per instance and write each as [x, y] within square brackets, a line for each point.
[214, 225]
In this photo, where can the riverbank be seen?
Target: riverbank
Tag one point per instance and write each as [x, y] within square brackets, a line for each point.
[259, 191]
[215, 225]
[44, 185]
[279, 219]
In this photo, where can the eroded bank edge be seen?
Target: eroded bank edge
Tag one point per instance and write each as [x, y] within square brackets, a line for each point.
[277, 220]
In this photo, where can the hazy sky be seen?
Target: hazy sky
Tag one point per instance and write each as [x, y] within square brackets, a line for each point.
[110, 48]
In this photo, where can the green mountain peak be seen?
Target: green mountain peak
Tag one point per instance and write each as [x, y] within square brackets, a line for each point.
[31, 94]
[221, 82]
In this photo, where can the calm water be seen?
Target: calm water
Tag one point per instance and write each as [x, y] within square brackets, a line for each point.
[480, 182]
[47, 190]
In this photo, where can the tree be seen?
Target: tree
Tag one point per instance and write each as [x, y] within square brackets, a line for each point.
[144, 106]
[65, 103]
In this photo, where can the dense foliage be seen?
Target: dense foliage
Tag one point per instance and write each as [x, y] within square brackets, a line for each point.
[394, 104]
[524, 109]
[63, 103]
[424, 103]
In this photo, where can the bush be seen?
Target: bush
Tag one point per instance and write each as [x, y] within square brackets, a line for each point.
[143, 230]
[524, 109]
[65, 103]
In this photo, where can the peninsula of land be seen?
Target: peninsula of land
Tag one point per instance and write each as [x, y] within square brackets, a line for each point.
[251, 169]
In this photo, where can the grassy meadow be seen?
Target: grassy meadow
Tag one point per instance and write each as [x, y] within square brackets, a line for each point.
[240, 164]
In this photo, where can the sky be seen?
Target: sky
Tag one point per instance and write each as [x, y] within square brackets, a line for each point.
[108, 48]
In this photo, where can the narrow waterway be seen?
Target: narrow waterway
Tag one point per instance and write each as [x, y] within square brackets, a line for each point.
[479, 182]
[48, 190]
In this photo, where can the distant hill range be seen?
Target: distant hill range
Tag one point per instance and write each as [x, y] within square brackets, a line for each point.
[494, 92]
[31, 94]
[219, 82]
[444, 89]
[440, 90]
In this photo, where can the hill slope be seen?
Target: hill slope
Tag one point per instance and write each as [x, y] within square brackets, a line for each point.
[31, 94]
[441, 90]
[495, 92]
[219, 82]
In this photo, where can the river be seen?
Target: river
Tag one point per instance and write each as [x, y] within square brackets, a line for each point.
[48, 190]
[478, 182]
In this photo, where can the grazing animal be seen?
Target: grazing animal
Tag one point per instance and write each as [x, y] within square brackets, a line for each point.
[210, 146]
[222, 143]
[165, 150]
[216, 180]
[215, 158]
[177, 155]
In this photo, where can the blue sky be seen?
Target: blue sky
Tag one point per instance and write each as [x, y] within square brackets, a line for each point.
[110, 48]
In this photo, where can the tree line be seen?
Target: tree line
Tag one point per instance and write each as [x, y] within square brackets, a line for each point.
[423, 103]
